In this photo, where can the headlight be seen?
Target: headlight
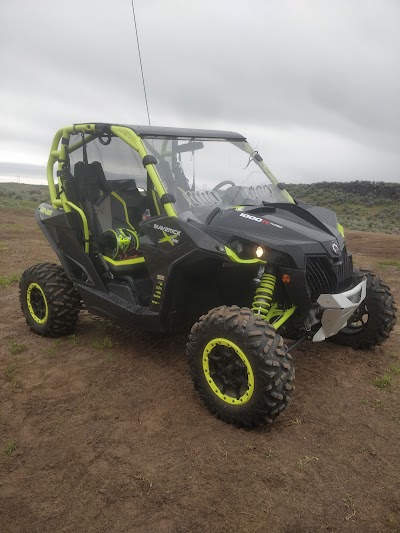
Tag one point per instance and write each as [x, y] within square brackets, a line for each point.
[250, 250]
[259, 251]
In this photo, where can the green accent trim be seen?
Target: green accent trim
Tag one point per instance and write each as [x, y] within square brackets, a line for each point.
[285, 316]
[118, 197]
[211, 383]
[233, 257]
[124, 262]
[274, 312]
[127, 135]
[264, 293]
[167, 238]
[84, 222]
[31, 287]
[123, 238]
[340, 229]
[59, 151]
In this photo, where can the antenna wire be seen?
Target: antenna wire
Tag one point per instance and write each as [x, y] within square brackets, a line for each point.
[141, 64]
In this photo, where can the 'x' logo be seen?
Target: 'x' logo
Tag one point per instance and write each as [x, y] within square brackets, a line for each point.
[167, 238]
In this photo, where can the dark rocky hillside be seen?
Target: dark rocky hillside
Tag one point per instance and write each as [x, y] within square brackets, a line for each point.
[360, 205]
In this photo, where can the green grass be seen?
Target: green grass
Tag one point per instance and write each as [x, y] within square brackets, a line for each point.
[9, 371]
[395, 370]
[389, 263]
[22, 196]
[10, 448]
[303, 461]
[9, 203]
[386, 379]
[13, 226]
[383, 381]
[375, 404]
[6, 281]
[391, 520]
[16, 347]
[51, 350]
[75, 341]
[350, 505]
[102, 344]
[10, 375]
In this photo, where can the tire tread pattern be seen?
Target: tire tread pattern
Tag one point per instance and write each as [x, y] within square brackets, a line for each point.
[381, 314]
[62, 299]
[274, 373]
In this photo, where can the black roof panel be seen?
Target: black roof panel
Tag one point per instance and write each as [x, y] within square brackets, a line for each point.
[162, 131]
[147, 131]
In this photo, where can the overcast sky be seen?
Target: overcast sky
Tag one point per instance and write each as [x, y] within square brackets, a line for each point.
[313, 84]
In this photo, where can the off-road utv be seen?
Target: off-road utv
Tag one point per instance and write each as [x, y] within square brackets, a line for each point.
[160, 228]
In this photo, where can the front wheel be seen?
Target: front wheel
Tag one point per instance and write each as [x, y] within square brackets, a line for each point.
[240, 366]
[374, 319]
[49, 300]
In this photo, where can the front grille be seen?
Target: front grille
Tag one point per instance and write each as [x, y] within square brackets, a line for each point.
[324, 277]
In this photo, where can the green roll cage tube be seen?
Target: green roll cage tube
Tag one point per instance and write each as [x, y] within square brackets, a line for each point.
[59, 154]
[60, 149]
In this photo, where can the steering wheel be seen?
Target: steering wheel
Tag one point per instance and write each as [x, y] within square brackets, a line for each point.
[222, 183]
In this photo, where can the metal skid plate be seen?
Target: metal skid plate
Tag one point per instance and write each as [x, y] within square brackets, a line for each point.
[338, 308]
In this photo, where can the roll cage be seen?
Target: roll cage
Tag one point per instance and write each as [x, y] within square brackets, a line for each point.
[131, 135]
[59, 153]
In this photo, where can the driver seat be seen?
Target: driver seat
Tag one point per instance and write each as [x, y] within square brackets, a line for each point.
[105, 209]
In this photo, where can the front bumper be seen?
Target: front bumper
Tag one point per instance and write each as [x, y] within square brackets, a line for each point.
[338, 308]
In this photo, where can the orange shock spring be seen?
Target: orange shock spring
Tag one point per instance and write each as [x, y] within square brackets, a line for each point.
[263, 296]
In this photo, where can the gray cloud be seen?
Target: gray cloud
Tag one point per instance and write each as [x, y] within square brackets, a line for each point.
[315, 84]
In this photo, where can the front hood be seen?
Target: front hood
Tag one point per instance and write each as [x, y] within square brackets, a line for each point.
[294, 229]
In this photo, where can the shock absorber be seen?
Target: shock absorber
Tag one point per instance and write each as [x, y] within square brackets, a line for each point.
[264, 293]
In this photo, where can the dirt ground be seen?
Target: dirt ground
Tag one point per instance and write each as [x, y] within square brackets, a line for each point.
[103, 431]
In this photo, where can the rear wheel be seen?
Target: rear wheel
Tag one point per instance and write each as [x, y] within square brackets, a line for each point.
[240, 367]
[49, 300]
[373, 321]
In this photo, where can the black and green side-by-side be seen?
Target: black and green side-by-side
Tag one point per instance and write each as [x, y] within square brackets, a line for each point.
[163, 228]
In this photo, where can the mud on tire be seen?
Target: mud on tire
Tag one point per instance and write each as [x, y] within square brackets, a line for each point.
[49, 300]
[265, 353]
[375, 319]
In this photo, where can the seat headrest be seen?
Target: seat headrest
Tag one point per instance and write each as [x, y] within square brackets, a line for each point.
[90, 180]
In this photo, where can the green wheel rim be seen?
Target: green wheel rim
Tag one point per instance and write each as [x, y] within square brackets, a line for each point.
[37, 303]
[228, 371]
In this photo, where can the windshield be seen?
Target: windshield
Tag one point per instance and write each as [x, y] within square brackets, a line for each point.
[203, 174]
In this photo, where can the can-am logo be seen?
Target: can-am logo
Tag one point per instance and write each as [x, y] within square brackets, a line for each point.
[262, 220]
